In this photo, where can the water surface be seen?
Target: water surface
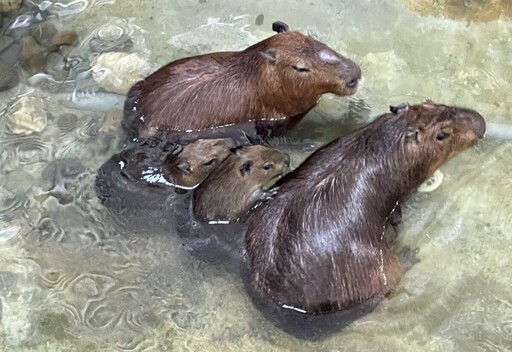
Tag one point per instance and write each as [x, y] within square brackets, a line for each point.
[72, 279]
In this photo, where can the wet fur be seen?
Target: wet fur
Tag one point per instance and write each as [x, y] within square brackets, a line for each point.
[321, 244]
[226, 195]
[224, 88]
[236, 185]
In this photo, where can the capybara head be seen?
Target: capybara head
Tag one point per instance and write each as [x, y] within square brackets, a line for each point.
[436, 132]
[301, 62]
[195, 162]
[237, 184]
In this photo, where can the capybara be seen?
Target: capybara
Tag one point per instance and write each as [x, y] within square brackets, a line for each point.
[139, 184]
[275, 81]
[237, 184]
[212, 228]
[321, 244]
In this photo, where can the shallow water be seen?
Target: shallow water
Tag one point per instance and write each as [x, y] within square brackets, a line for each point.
[72, 279]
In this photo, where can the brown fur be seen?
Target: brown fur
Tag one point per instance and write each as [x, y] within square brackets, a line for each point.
[183, 167]
[196, 161]
[262, 82]
[319, 245]
[237, 184]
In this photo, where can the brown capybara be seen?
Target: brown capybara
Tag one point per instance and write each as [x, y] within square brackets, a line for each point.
[319, 245]
[139, 184]
[157, 161]
[275, 81]
[211, 222]
[237, 184]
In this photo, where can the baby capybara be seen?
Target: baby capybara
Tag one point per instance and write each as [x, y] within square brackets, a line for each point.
[275, 81]
[322, 245]
[211, 223]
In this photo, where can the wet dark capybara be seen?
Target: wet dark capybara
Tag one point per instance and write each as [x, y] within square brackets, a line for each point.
[145, 177]
[210, 223]
[275, 81]
[322, 244]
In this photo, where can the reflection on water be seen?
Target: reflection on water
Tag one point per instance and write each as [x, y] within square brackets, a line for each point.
[71, 278]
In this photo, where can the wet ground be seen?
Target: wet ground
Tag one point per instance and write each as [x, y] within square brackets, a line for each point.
[73, 279]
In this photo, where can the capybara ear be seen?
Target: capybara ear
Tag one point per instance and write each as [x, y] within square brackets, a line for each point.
[245, 168]
[280, 27]
[396, 109]
[270, 55]
[184, 166]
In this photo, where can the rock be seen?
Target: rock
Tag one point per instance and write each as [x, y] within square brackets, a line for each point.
[32, 55]
[63, 38]
[117, 71]
[27, 115]
[10, 53]
[56, 66]
[5, 42]
[111, 37]
[9, 5]
[67, 122]
[8, 76]
[43, 33]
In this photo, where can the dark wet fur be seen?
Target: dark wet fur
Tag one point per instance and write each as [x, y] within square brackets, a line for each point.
[262, 82]
[323, 244]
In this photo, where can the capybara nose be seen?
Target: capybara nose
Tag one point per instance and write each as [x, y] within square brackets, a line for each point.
[353, 75]
[476, 121]
[478, 125]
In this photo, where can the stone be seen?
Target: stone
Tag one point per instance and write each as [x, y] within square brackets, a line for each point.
[56, 67]
[43, 33]
[32, 55]
[67, 122]
[63, 38]
[9, 5]
[8, 76]
[27, 115]
[118, 71]
[10, 53]
[5, 42]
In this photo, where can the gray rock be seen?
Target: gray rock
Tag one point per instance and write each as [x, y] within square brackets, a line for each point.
[43, 33]
[32, 55]
[56, 66]
[10, 54]
[5, 41]
[67, 122]
[8, 76]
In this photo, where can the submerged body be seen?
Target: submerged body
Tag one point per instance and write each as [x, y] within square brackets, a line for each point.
[322, 245]
[276, 81]
[139, 184]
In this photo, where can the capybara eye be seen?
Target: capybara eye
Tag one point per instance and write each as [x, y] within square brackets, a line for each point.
[268, 166]
[300, 69]
[210, 162]
[442, 136]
